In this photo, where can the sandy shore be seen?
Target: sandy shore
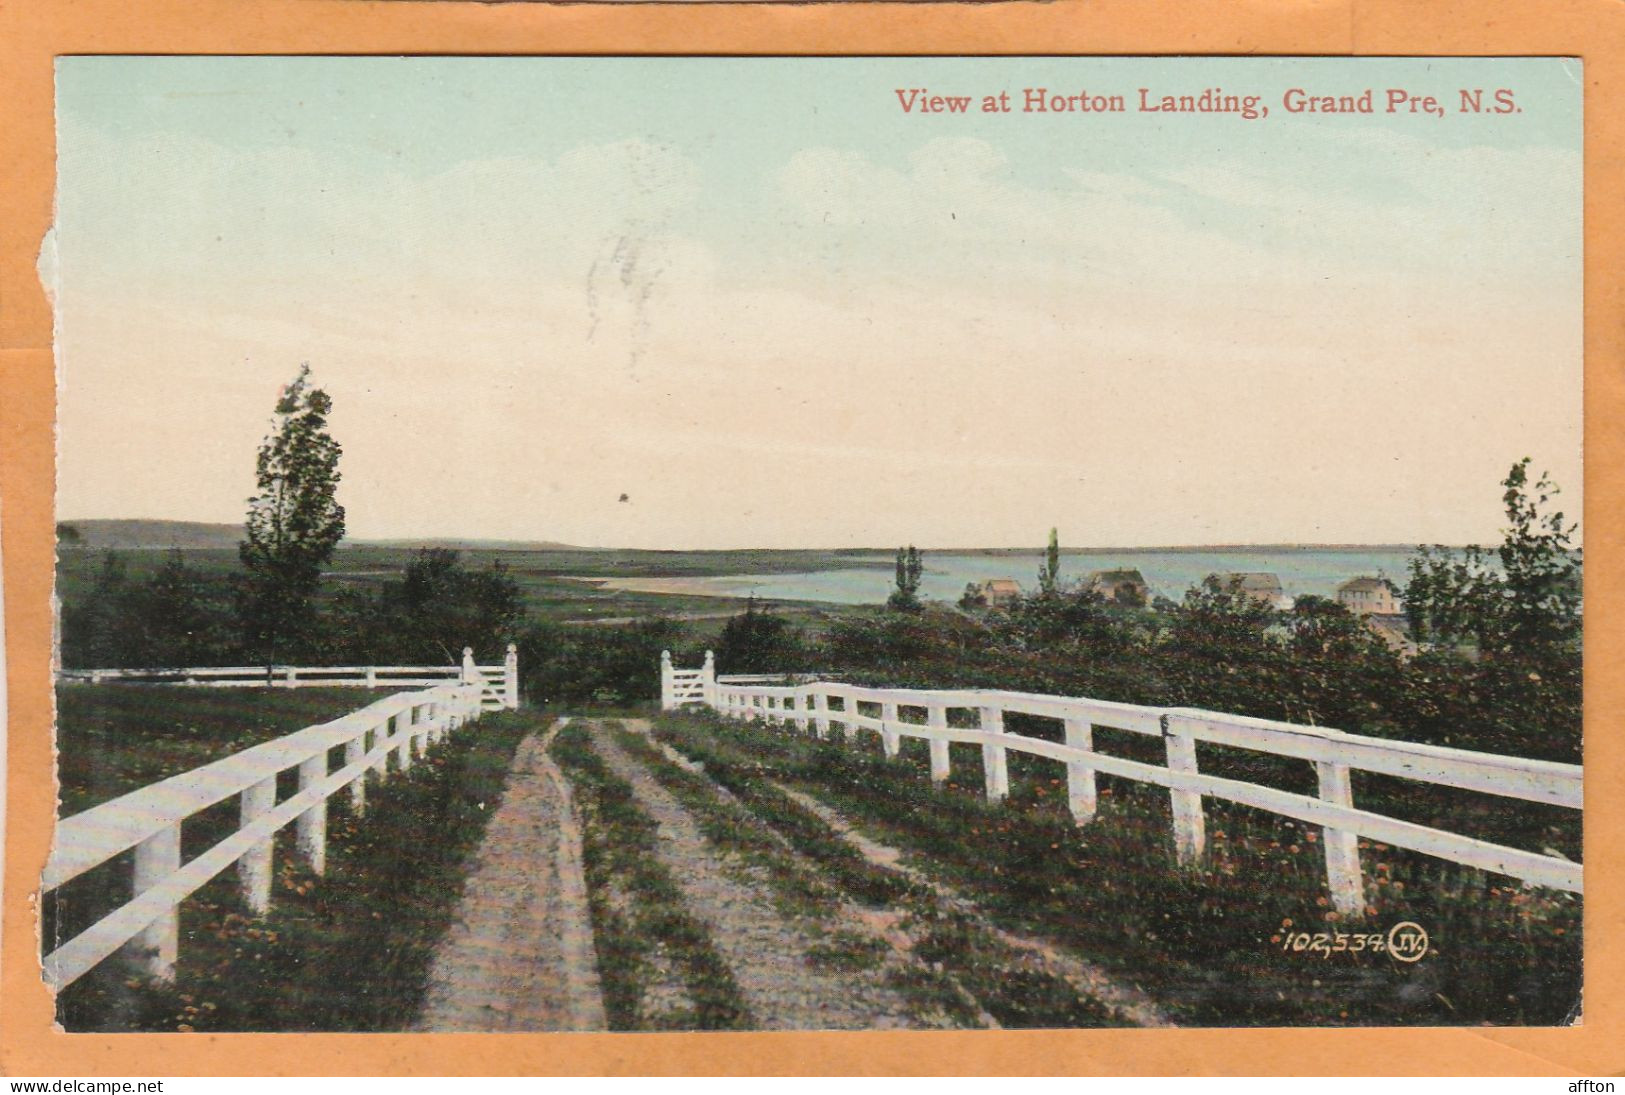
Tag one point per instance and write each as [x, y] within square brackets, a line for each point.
[691, 587]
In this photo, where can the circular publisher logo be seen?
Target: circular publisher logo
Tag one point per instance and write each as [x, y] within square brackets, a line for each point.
[1407, 941]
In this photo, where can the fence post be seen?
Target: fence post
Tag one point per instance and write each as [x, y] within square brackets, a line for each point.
[471, 672]
[1190, 831]
[156, 858]
[354, 750]
[941, 764]
[311, 828]
[708, 680]
[290, 677]
[510, 678]
[666, 702]
[889, 738]
[254, 869]
[1080, 778]
[1342, 848]
[403, 739]
[849, 708]
[372, 676]
[821, 713]
[996, 774]
[379, 735]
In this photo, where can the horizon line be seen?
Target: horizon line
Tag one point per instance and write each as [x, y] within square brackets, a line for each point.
[520, 543]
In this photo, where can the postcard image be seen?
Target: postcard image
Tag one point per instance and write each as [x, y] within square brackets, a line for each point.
[816, 543]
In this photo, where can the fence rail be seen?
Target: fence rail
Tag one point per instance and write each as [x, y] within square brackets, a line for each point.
[823, 706]
[501, 682]
[402, 726]
[149, 821]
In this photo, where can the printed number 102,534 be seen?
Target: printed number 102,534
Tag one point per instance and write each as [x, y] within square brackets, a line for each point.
[1405, 942]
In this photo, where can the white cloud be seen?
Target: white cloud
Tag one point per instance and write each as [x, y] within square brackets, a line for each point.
[934, 352]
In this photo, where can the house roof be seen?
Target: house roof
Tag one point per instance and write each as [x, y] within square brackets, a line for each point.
[1002, 585]
[1116, 576]
[1363, 584]
[1254, 581]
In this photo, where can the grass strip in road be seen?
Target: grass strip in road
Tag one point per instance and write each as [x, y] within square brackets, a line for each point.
[797, 891]
[1209, 943]
[955, 954]
[752, 784]
[347, 951]
[620, 860]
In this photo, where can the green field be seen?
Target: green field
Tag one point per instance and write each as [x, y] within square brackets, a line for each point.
[114, 739]
[544, 575]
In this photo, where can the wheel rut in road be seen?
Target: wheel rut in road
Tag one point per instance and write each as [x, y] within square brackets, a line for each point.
[1128, 1002]
[766, 951]
[519, 956]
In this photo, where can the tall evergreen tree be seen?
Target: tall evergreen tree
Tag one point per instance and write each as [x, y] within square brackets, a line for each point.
[1049, 575]
[910, 567]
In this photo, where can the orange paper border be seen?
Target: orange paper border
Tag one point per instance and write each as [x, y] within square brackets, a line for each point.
[33, 32]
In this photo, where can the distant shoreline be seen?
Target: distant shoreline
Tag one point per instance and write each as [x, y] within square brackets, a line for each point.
[687, 587]
[155, 534]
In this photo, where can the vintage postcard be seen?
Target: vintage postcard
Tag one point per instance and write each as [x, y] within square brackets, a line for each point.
[994, 550]
[562, 671]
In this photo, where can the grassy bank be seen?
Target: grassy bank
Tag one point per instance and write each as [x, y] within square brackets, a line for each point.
[1207, 944]
[348, 951]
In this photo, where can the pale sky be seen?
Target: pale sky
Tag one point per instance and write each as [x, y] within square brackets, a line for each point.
[773, 309]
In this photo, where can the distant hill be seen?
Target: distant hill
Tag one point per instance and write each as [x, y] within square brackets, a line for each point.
[99, 534]
[474, 545]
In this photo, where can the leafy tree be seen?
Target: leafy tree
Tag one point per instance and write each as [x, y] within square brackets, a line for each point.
[973, 599]
[1526, 607]
[178, 617]
[1215, 615]
[96, 626]
[906, 596]
[609, 665]
[893, 643]
[1050, 573]
[294, 522]
[174, 617]
[757, 641]
[1452, 597]
[1541, 606]
[427, 615]
[1069, 617]
[439, 606]
[68, 535]
[355, 629]
[1320, 627]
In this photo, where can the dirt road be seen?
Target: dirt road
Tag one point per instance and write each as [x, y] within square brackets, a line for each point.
[520, 955]
[766, 950]
[710, 897]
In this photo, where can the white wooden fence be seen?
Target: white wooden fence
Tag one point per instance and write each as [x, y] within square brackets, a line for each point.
[402, 725]
[500, 682]
[682, 686]
[896, 713]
